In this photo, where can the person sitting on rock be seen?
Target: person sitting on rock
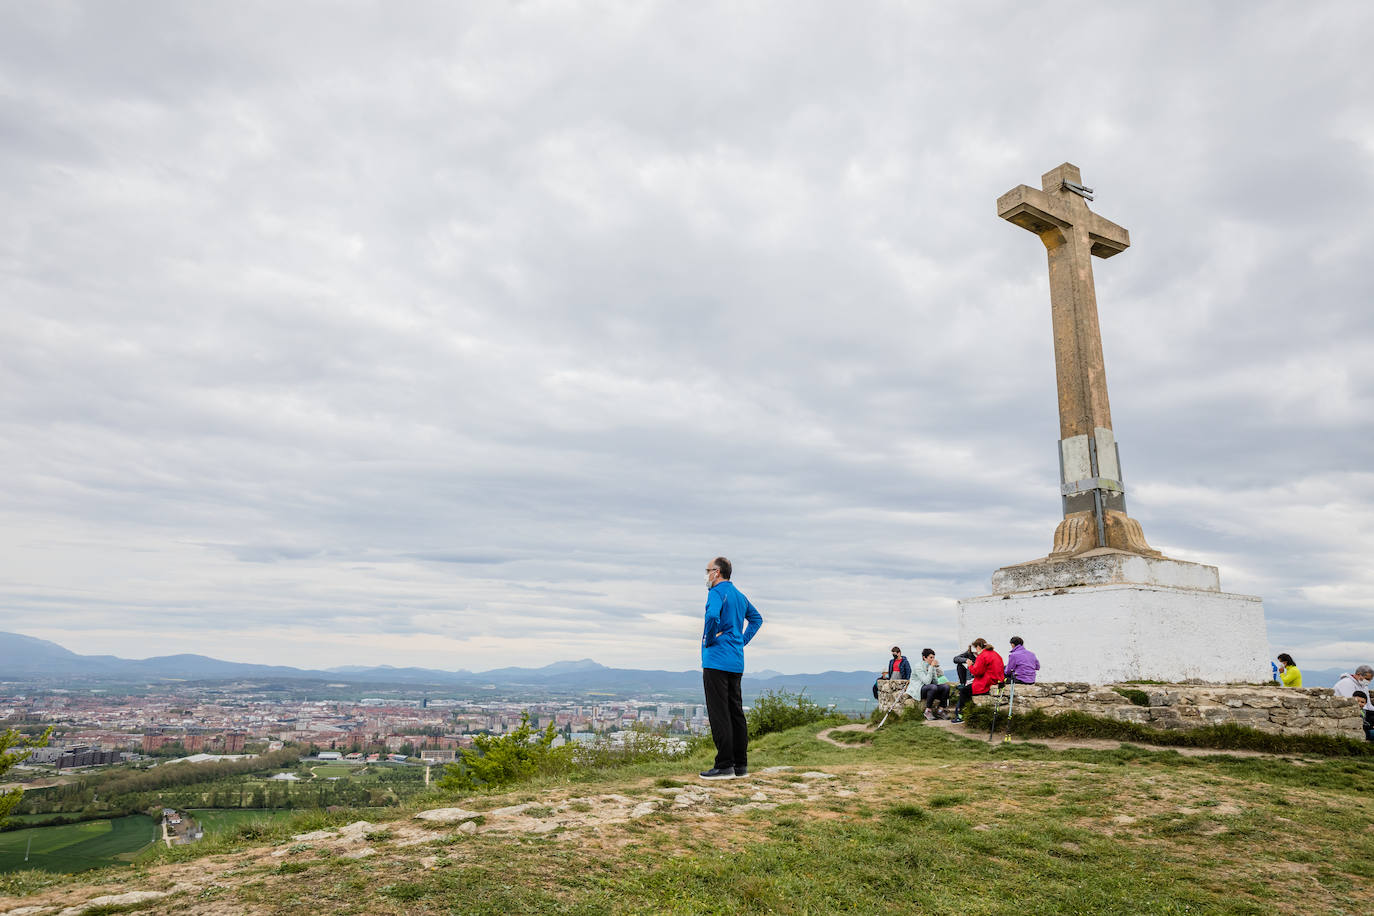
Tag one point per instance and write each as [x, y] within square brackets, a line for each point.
[962, 661]
[1289, 675]
[986, 669]
[1347, 684]
[899, 668]
[1021, 662]
[934, 685]
[1366, 714]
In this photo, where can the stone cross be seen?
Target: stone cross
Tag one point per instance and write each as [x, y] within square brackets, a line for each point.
[1094, 499]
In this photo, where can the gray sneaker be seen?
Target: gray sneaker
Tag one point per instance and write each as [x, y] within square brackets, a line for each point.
[741, 772]
[930, 715]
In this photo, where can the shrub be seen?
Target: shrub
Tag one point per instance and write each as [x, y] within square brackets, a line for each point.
[14, 747]
[638, 745]
[499, 760]
[779, 710]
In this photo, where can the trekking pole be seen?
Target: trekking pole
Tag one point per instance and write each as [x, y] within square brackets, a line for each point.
[996, 701]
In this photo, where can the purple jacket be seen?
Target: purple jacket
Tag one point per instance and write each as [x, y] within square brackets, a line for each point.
[1022, 665]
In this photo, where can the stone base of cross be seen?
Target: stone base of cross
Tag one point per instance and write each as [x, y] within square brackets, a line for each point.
[1078, 533]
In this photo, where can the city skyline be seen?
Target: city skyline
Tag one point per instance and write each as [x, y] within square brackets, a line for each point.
[463, 339]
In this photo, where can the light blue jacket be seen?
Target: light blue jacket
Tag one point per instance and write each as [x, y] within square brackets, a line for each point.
[724, 635]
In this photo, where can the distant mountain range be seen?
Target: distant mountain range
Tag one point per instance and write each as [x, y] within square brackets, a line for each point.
[30, 660]
[27, 659]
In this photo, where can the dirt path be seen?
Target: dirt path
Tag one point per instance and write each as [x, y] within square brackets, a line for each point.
[856, 727]
[192, 888]
[1054, 744]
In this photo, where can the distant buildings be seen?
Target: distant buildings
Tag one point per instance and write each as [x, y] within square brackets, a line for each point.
[78, 755]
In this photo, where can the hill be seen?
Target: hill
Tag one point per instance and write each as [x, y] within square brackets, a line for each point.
[31, 660]
[922, 819]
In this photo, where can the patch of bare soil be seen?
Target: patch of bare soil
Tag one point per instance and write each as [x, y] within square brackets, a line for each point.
[196, 887]
[856, 727]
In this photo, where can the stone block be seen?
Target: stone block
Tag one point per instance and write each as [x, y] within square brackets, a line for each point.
[1104, 568]
[1129, 714]
[1126, 631]
[1261, 702]
[1275, 709]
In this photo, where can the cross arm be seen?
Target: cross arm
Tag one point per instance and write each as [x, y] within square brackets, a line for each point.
[1048, 215]
[1107, 237]
[1034, 210]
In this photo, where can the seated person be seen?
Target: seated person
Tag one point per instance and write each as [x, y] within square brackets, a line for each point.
[986, 670]
[1289, 675]
[962, 661]
[899, 667]
[1367, 717]
[1021, 662]
[1347, 684]
[934, 684]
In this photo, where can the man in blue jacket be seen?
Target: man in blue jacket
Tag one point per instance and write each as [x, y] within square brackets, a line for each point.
[722, 666]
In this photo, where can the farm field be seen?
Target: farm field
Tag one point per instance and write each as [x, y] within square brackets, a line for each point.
[77, 847]
[217, 821]
[326, 770]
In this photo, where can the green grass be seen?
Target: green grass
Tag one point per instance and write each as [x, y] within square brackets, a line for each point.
[77, 847]
[935, 823]
[218, 821]
[326, 770]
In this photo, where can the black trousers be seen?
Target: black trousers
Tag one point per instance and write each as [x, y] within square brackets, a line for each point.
[725, 709]
[965, 696]
[935, 693]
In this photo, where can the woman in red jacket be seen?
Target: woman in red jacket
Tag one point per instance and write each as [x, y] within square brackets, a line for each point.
[986, 670]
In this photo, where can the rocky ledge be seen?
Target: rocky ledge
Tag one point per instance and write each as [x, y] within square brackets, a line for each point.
[1280, 710]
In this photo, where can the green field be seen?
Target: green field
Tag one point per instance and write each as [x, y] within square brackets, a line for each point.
[77, 847]
[217, 821]
[326, 770]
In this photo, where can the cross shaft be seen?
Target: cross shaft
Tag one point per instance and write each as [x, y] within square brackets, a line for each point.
[1094, 499]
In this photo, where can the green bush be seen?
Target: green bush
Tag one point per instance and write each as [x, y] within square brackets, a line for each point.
[779, 710]
[14, 747]
[499, 760]
[638, 745]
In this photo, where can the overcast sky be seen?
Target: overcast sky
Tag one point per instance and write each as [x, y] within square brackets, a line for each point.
[464, 335]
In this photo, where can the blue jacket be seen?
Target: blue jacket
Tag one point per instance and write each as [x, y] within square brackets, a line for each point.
[724, 635]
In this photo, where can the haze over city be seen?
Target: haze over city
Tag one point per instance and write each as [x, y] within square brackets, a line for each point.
[465, 337]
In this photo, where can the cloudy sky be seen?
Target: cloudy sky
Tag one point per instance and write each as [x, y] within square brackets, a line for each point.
[463, 335]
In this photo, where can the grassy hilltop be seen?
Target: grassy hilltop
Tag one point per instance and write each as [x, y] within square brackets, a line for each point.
[919, 820]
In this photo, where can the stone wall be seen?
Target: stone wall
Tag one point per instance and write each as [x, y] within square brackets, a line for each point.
[892, 696]
[1281, 710]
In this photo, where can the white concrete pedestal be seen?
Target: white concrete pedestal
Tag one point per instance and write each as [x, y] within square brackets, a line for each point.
[1110, 616]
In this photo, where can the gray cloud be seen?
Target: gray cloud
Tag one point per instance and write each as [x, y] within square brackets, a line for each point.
[491, 326]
